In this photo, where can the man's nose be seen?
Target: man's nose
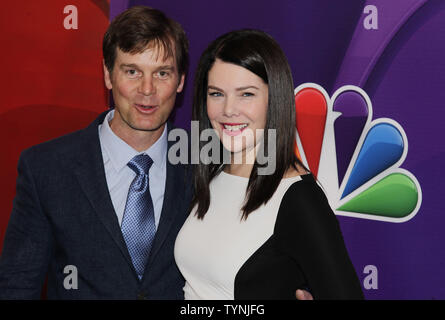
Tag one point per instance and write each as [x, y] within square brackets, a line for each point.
[147, 86]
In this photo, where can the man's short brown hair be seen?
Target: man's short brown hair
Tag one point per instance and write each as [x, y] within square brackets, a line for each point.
[137, 27]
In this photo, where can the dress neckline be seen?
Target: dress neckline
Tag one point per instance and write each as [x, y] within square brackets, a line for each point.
[299, 177]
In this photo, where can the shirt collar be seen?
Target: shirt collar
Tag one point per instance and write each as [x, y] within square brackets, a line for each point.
[120, 153]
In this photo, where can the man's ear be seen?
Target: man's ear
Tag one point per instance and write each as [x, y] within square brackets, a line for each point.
[107, 76]
[181, 83]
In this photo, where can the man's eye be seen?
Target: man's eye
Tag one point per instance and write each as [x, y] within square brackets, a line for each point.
[163, 74]
[132, 73]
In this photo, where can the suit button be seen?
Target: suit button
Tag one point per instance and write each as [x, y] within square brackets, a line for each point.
[141, 296]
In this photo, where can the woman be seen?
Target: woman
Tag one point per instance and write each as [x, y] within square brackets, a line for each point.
[253, 235]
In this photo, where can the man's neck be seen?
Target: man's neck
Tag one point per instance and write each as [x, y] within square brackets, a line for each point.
[139, 140]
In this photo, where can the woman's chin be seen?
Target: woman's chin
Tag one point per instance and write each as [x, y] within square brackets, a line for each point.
[234, 148]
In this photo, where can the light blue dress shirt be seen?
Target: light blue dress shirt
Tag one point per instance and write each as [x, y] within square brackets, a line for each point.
[117, 153]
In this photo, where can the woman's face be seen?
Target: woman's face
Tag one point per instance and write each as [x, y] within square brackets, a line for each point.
[237, 101]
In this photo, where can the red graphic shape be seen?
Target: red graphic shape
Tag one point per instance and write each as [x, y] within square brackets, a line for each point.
[296, 151]
[52, 79]
[311, 110]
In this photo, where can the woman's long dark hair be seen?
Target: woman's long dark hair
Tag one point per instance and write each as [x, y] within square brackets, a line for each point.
[259, 53]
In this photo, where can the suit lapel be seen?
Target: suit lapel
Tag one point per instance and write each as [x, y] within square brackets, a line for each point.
[90, 173]
[172, 204]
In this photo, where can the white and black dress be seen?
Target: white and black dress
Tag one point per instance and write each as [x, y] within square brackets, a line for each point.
[294, 241]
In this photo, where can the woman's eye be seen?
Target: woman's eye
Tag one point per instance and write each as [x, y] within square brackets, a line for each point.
[247, 94]
[215, 94]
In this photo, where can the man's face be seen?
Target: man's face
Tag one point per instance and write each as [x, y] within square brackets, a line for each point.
[144, 91]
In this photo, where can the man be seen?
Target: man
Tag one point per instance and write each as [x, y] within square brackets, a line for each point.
[71, 216]
[97, 211]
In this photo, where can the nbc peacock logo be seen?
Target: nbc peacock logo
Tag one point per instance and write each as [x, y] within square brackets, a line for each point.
[356, 159]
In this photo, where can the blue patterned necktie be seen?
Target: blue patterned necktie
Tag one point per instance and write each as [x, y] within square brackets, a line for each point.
[138, 223]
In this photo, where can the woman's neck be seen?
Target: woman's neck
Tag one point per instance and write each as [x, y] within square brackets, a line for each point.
[241, 170]
[242, 162]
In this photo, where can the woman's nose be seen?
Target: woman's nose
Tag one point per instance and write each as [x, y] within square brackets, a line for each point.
[230, 108]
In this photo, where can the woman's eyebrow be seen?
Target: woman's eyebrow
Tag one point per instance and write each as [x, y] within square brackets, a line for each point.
[237, 89]
[246, 87]
[214, 88]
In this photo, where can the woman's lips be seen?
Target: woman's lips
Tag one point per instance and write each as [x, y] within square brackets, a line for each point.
[233, 129]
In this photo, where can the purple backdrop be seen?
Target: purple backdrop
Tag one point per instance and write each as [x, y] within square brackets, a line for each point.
[400, 65]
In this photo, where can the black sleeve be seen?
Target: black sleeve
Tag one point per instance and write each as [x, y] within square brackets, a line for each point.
[27, 245]
[308, 231]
